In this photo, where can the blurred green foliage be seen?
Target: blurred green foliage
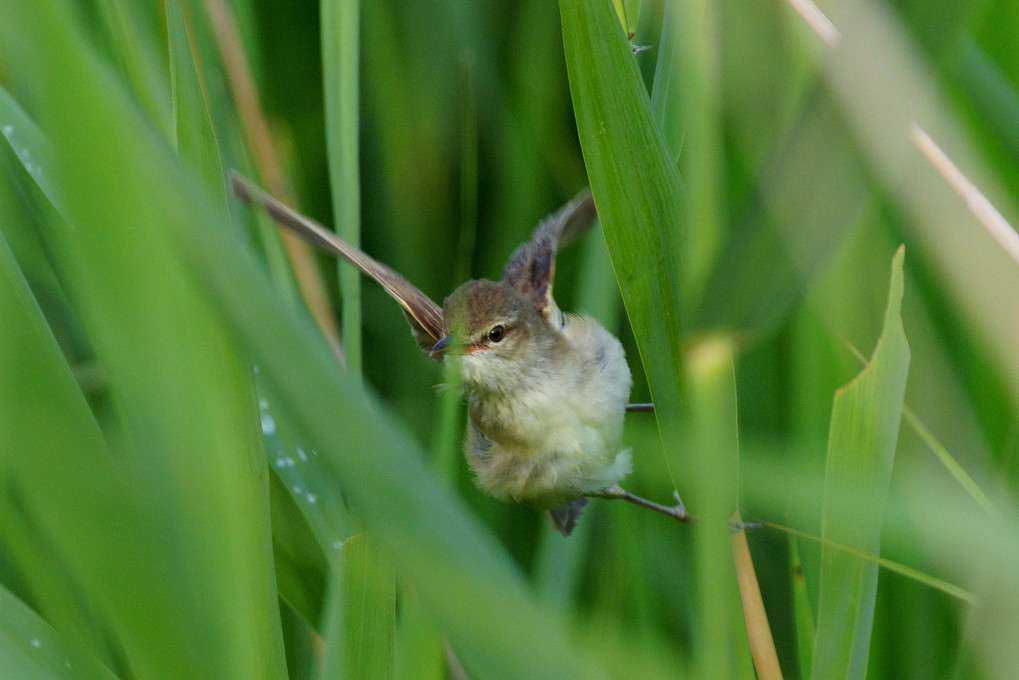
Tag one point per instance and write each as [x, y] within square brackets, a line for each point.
[753, 200]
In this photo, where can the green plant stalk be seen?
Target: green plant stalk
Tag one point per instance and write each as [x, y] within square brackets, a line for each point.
[340, 63]
[702, 163]
[721, 633]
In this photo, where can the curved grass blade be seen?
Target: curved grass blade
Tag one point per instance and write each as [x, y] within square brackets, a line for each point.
[636, 190]
[861, 447]
[31, 648]
[43, 418]
[30, 146]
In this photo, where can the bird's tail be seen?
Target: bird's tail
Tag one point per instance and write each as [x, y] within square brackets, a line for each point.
[564, 518]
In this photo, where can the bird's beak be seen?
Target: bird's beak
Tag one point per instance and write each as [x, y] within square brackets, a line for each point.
[440, 347]
[447, 343]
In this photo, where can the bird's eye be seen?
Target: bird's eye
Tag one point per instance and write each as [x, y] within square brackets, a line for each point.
[497, 333]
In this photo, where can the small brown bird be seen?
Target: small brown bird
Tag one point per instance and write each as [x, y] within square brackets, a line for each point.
[546, 391]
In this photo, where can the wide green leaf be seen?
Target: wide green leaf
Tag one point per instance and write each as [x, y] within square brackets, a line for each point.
[636, 190]
[861, 449]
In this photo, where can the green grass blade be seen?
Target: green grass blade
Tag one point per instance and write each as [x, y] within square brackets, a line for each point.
[948, 461]
[184, 412]
[300, 470]
[419, 645]
[861, 447]
[196, 138]
[804, 616]
[299, 473]
[137, 59]
[950, 589]
[43, 417]
[629, 14]
[721, 633]
[942, 454]
[702, 163]
[301, 567]
[362, 626]
[360, 633]
[31, 648]
[636, 190]
[668, 98]
[340, 64]
[30, 145]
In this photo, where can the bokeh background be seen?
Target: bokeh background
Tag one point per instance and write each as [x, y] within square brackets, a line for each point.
[187, 493]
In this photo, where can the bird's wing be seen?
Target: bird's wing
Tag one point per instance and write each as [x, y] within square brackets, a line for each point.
[531, 268]
[424, 315]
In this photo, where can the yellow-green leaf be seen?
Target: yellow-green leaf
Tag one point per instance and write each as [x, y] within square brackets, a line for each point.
[861, 449]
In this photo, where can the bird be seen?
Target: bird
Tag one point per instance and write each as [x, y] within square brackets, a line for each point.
[546, 391]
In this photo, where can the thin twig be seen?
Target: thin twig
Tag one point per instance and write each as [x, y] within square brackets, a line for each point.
[677, 511]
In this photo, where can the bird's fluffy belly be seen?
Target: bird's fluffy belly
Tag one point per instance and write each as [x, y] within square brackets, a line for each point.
[547, 449]
[548, 476]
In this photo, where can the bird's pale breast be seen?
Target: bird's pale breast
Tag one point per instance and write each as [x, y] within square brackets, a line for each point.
[553, 432]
